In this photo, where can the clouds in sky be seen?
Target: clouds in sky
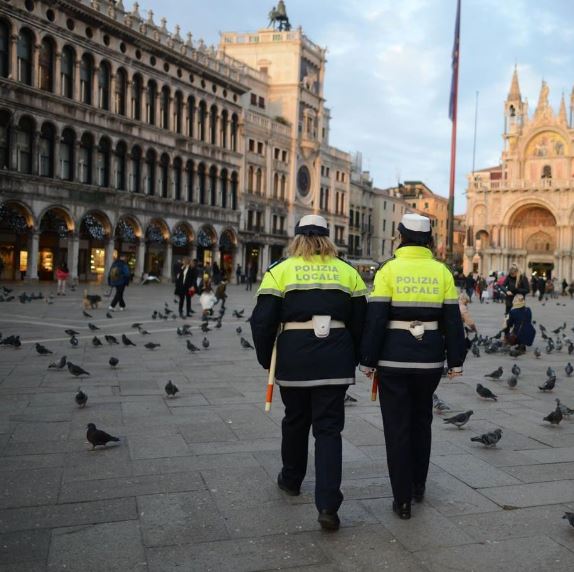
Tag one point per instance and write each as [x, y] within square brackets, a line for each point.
[388, 71]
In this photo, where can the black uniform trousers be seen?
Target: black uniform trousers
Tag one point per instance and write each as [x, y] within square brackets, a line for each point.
[406, 405]
[323, 408]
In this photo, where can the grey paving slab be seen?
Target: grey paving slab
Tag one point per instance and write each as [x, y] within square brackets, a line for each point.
[114, 547]
[533, 494]
[113, 461]
[543, 472]
[28, 488]
[25, 546]
[526, 554]
[156, 446]
[34, 462]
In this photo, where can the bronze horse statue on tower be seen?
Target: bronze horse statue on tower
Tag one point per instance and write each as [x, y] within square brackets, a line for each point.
[278, 18]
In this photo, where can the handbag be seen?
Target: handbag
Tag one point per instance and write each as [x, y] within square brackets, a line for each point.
[512, 339]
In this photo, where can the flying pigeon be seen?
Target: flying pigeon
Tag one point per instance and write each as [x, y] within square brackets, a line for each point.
[549, 384]
[97, 437]
[81, 398]
[488, 439]
[151, 346]
[245, 344]
[496, 374]
[460, 419]
[171, 389]
[111, 339]
[126, 341]
[114, 361]
[485, 393]
[60, 364]
[96, 342]
[76, 370]
[93, 327]
[43, 350]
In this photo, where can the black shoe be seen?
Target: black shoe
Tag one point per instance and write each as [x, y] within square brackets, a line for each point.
[403, 510]
[190, 313]
[281, 484]
[329, 520]
[418, 493]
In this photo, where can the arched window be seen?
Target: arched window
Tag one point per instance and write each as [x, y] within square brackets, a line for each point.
[25, 56]
[137, 86]
[201, 176]
[120, 94]
[164, 107]
[224, 126]
[234, 190]
[4, 49]
[202, 118]
[104, 86]
[46, 63]
[250, 179]
[190, 116]
[4, 139]
[67, 155]
[224, 188]
[177, 179]
[213, 125]
[275, 185]
[121, 160]
[86, 79]
[24, 136]
[547, 172]
[190, 168]
[213, 186]
[103, 156]
[46, 150]
[234, 131]
[164, 175]
[178, 112]
[136, 170]
[283, 186]
[259, 182]
[151, 102]
[85, 159]
[67, 71]
[150, 162]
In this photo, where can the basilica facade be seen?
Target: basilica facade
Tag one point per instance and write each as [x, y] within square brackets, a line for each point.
[522, 210]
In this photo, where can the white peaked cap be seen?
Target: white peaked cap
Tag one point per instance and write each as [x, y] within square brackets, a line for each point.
[416, 222]
[313, 220]
[312, 225]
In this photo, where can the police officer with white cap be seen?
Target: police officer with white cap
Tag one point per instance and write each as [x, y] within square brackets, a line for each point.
[413, 319]
[312, 305]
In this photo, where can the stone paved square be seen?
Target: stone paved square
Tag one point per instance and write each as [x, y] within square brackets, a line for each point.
[191, 485]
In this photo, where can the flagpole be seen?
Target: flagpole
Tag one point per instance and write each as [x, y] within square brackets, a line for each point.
[454, 113]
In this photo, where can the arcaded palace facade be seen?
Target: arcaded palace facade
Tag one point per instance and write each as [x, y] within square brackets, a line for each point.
[522, 210]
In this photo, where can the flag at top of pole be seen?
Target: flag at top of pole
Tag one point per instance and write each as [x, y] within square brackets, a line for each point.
[455, 56]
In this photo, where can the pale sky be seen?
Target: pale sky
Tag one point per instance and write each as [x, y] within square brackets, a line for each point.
[389, 69]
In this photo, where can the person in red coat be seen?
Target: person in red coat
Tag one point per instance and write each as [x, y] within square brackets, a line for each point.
[62, 274]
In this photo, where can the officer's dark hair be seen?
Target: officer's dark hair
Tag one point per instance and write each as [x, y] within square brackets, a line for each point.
[427, 243]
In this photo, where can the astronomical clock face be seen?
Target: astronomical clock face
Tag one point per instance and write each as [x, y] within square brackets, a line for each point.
[546, 144]
[303, 181]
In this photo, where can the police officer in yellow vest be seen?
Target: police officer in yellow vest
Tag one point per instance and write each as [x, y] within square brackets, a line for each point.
[413, 318]
[317, 303]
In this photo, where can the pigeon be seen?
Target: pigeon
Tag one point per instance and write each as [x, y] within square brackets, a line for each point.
[205, 328]
[218, 323]
[565, 410]
[60, 364]
[569, 516]
[485, 393]
[349, 399]
[97, 437]
[96, 342]
[191, 347]
[76, 370]
[108, 315]
[488, 439]
[81, 398]
[72, 332]
[496, 374]
[570, 348]
[43, 350]
[92, 327]
[151, 346]
[554, 417]
[550, 372]
[86, 315]
[171, 389]
[569, 369]
[439, 404]
[126, 341]
[245, 344]
[238, 330]
[205, 342]
[114, 361]
[137, 325]
[111, 339]
[537, 353]
[475, 350]
[512, 381]
[516, 370]
[460, 419]
[154, 315]
[13, 341]
[74, 341]
[549, 384]
[143, 332]
[238, 313]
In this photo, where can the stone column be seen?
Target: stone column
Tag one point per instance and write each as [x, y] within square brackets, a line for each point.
[36, 66]
[58, 73]
[96, 87]
[35, 153]
[265, 255]
[140, 259]
[77, 91]
[14, 57]
[193, 251]
[110, 245]
[167, 263]
[33, 249]
[129, 110]
[112, 94]
[73, 254]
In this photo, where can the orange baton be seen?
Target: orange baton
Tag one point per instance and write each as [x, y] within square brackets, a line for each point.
[271, 379]
[375, 386]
